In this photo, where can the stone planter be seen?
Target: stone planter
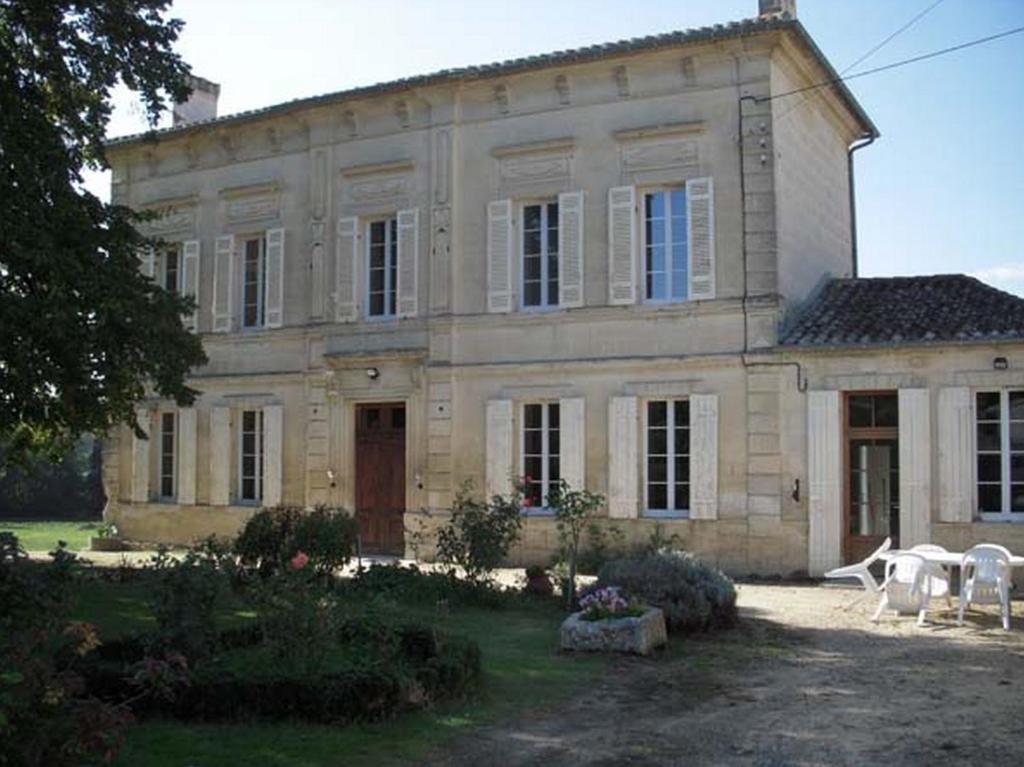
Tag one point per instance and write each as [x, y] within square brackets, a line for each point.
[109, 544]
[639, 635]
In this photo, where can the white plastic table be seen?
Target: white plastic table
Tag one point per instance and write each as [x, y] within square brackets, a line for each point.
[947, 558]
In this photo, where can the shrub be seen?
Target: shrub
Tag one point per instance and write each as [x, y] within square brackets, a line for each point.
[693, 596]
[185, 597]
[601, 544]
[272, 537]
[414, 586]
[479, 535]
[572, 509]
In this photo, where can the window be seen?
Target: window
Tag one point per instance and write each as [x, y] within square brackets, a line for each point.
[540, 255]
[251, 456]
[667, 477]
[254, 282]
[999, 420]
[540, 450]
[666, 267]
[383, 268]
[168, 455]
[172, 270]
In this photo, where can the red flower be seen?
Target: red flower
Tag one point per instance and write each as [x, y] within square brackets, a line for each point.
[527, 502]
[299, 561]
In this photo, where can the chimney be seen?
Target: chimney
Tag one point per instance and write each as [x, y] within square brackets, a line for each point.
[767, 8]
[201, 104]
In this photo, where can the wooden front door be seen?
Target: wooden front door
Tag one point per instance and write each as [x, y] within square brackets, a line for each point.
[872, 488]
[380, 477]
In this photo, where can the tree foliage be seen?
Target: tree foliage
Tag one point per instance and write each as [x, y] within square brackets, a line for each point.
[84, 332]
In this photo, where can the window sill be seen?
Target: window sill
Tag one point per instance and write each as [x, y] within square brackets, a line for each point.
[1016, 519]
[664, 514]
[536, 512]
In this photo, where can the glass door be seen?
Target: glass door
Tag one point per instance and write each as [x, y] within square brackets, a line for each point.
[872, 473]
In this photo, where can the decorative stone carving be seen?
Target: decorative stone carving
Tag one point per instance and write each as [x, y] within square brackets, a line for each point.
[442, 163]
[318, 183]
[440, 256]
[502, 98]
[250, 203]
[349, 126]
[662, 154]
[172, 220]
[639, 635]
[562, 89]
[375, 189]
[402, 112]
[622, 81]
[517, 170]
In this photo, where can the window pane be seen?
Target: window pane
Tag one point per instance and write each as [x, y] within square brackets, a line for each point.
[656, 257]
[655, 205]
[554, 441]
[532, 441]
[1017, 405]
[398, 418]
[989, 468]
[860, 410]
[1017, 497]
[531, 241]
[988, 436]
[377, 305]
[657, 413]
[248, 489]
[531, 294]
[990, 497]
[682, 499]
[657, 496]
[531, 217]
[532, 468]
[553, 415]
[678, 202]
[531, 268]
[553, 471]
[682, 469]
[682, 441]
[657, 441]
[1016, 436]
[376, 280]
[886, 410]
[682, 414]
[988, 406]
[532, 416]
[657, 469]
[1016, 468]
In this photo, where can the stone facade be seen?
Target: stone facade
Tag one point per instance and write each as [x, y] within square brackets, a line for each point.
[451, 162]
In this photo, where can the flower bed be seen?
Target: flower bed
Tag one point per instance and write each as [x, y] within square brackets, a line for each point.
[636, 634]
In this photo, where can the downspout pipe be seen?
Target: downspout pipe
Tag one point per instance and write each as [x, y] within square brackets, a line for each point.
[866, 140]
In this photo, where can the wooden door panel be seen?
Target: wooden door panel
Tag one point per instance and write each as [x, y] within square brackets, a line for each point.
[380, 477]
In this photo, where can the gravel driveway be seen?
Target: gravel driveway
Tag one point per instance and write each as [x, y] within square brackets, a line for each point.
[801, 682]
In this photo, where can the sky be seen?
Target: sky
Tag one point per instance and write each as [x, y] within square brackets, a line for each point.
[941, 191]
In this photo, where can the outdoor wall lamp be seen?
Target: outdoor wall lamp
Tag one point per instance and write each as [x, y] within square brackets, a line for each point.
[795, 494]
[1000, 363]
[372, 373]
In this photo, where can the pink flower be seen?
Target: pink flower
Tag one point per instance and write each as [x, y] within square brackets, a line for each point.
[299, 561]
[527, 502]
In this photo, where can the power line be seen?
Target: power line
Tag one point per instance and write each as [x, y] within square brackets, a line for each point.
[875, 49]
[895, 64]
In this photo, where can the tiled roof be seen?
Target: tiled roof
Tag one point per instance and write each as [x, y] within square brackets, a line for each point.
[883, 311]
[742, 28]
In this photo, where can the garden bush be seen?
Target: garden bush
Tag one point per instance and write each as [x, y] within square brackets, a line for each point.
[272, 538]
[411, 585]
[479, 534]
[184, 599]
[693, 596]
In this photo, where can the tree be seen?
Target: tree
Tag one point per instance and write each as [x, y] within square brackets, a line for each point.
[573, 508]
[83, 332]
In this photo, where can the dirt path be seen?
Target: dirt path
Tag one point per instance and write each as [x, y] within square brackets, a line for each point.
[802, 682]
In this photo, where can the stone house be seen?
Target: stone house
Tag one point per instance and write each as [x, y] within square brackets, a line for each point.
[626, 266]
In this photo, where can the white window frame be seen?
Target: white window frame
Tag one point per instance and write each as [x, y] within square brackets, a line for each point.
[260, 447]
[544, 306]
[667, 190]
[670, 446]
[545, 479]
[390, 222]
[174, 458]
[178, 251]
[1005, 456]
[261, 280]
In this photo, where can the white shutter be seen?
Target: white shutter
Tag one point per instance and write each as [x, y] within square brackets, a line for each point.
[187, 456]
[704, 456]
[499, 256]
[346, 260]
[572, 456]
[622, 245]
[274, 301]
[223, 290]
[190, 279]
[498, 453]
[623, 458]
[915, 438]
[220, 456]
[273, 454]
[408, 261]
[570, 249]
[824, 482]
[700, 214]
[140, 458]
[956, 459]
[147, 262]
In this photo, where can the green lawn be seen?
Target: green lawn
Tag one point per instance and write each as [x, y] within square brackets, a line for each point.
[522, 672]
[43, 535]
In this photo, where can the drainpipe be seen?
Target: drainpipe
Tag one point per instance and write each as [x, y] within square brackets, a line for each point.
[863, 141]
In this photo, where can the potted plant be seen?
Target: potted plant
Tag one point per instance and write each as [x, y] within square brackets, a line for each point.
[107, 538]
[538, 582]
[611, 621]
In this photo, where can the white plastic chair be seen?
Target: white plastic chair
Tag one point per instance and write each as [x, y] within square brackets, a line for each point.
[860, 572]
[985, 579]
[939, 586]
[907, 586]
